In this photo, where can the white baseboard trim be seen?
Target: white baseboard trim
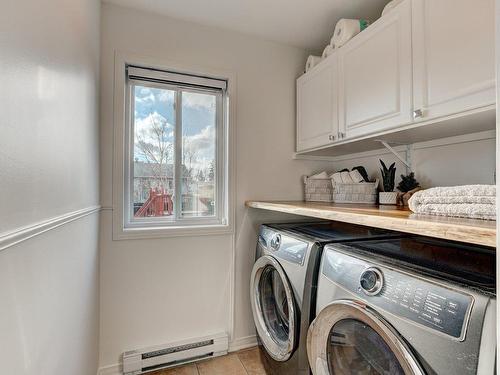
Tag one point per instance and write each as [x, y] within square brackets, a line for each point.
[237, 344]
[11, 238]
[242, 343]
[115, 369]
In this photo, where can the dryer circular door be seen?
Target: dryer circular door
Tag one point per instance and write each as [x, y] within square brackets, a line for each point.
[273, 308]
[348, 337]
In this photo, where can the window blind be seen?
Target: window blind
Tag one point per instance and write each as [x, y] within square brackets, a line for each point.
[139, 74]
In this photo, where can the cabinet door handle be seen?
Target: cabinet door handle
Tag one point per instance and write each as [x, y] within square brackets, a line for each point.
[331, 137]
[341, 135]
[417, 113]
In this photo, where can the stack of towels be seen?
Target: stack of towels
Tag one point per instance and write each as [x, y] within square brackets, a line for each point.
[347, 177]
[390, 6]
[469, 201]
[343, 177]
[345, 29]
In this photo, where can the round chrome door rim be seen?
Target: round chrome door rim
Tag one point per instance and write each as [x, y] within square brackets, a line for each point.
[277, 352]
[319, 332]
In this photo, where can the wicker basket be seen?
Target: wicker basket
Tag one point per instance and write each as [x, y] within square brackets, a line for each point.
[318, 189]
[365, 192]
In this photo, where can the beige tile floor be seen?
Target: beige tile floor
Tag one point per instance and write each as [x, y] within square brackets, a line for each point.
[244, 362]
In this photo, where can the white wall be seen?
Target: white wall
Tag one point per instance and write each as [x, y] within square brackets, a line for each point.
[48, 98]
[49, 315]
[460, 160]
[157, 291]
[161, 290]
[49, 160]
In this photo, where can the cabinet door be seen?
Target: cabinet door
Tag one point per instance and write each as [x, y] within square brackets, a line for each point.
[375, 75]
[317, 120]
[454, 56]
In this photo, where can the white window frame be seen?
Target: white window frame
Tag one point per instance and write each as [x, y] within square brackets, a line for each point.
[220, 160]
[124, 225]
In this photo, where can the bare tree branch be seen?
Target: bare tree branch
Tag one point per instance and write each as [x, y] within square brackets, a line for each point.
[155, 146]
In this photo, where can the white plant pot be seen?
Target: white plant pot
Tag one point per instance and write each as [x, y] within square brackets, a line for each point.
[390, 197]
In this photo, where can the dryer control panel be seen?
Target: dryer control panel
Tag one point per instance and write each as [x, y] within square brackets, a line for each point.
[407, 296]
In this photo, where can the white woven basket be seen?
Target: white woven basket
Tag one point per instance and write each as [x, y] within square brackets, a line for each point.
[318, 189]
[364, 192]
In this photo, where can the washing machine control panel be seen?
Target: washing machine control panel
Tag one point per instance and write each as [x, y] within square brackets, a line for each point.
[282, 246]
[432, 305]
[407, 296]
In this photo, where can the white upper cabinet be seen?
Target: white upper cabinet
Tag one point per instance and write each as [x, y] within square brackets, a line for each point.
[376, 76]
[453, 56]
[413, 72]
[317, 120]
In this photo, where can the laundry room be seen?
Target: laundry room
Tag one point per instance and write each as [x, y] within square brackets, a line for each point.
[248, 187]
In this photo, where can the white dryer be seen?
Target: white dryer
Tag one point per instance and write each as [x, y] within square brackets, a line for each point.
[283, 287]
[409, 306]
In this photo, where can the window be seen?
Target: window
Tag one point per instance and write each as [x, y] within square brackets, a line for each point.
[176, 150]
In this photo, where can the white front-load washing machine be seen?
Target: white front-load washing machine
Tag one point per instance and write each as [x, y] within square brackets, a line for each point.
[283, 287]
[408, 306]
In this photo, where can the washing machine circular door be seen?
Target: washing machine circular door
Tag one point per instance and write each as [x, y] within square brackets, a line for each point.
[348, 337]
[273, 308]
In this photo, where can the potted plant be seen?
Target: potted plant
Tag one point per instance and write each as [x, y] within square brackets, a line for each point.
[388, 196]
[407, 187]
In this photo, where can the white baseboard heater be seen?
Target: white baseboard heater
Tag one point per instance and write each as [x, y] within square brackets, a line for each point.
[158, 357]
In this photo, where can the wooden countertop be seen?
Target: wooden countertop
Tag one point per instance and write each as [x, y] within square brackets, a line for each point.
[480, 232]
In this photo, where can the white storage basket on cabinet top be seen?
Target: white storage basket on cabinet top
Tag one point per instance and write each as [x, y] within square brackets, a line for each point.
[318, 189]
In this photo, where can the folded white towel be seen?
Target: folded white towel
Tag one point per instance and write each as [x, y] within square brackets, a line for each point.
[390, 6]
[312, 61]
[327, 51]
[346, 29]
[356, 176]
[346, 178]
[470, 201]
[336, 177]
[319, 176]
[470, 211]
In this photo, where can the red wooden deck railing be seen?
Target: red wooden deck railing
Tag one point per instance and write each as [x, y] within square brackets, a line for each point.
[159, 203]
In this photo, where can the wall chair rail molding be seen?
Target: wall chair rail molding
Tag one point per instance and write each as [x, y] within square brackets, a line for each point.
[11, 238]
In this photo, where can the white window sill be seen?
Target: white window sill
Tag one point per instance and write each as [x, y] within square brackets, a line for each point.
[173, 231]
